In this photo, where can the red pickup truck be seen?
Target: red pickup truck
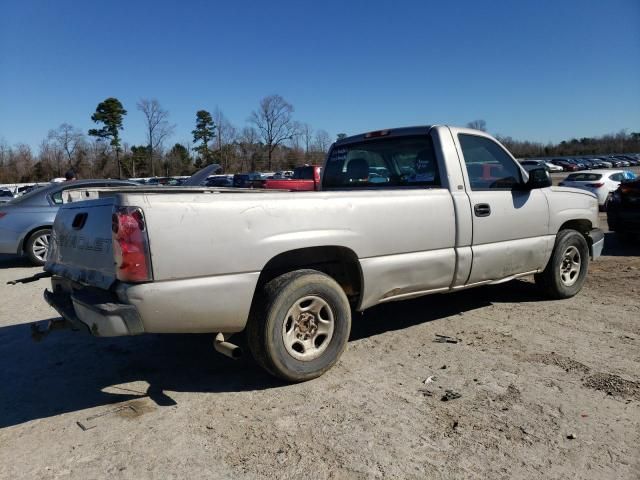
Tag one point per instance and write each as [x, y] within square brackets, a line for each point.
[303, 179]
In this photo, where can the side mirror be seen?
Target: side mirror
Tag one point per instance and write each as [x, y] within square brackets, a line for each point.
[538, 178]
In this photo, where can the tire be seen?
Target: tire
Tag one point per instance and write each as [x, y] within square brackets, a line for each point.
[37, 246]
[566, 271]
[299, 325]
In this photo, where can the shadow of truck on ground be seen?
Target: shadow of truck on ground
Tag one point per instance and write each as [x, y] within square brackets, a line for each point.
[69, 371]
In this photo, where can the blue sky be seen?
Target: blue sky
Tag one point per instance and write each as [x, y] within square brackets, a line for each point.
[542, 71]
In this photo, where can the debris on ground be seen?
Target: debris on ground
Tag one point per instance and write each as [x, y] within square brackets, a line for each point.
[430, 379]
[446, 339]
[571, 436]
[450, 395]
[425, 392]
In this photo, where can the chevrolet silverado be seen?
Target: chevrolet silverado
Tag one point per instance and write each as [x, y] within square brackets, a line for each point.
[401, 213]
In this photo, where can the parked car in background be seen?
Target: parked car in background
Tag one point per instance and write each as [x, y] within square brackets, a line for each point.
[247, 180]
[566, 166]
[5, 196]
[621, 161]
[602, 162]
[623, 212]
[599, 182]
[553, 168]
[578, 163]
[25, 222]
[615, 163]
[219, 181]
[634, 162]
[305, 178]
[531, 164]
[171, 181]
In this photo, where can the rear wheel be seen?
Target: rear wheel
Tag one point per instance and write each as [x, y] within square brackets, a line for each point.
[566, 271]
[299, 325]
[37, 246]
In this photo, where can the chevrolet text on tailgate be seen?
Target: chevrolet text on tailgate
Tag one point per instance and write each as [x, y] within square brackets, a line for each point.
[401, 213]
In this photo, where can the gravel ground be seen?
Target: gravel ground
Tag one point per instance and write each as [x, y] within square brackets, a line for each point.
[548, 389]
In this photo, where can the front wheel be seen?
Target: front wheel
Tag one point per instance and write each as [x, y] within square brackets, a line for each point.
[566, 271]
[37, 246]
[299, 325]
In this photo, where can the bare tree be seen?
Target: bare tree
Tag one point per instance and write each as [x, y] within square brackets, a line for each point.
[225, 134]
[323, 141]
[307, 136]
[51, 157]
[158, 127]
[248, 145]
[274, 122]
[478, 125]
[67, 138]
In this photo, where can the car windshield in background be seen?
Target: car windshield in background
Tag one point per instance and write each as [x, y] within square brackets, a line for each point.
[386, 162]
[584, 177]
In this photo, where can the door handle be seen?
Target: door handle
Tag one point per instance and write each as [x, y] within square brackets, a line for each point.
[482, 209]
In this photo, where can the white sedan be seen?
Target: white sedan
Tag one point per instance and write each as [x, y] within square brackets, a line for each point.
[553, 167]
[600, 182]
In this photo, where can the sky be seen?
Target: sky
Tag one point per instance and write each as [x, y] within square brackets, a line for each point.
[533, 70]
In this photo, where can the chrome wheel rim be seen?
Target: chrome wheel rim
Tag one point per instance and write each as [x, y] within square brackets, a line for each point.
[570, 266]
[308, 328]
[41, 246]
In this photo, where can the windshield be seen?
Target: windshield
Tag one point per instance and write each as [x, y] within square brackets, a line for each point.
[384, 162]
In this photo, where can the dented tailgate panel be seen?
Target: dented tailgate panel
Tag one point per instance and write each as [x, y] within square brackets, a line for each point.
[81, 247]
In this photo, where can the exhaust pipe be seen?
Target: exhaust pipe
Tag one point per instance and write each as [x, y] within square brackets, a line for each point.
[226, 348]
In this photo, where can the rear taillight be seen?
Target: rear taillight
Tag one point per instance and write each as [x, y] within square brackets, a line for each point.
[130, 245]
[594, 185]
[2, 214]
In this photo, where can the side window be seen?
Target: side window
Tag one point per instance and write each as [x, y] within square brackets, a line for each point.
[57, 198]
[488, 165]
[616, 177]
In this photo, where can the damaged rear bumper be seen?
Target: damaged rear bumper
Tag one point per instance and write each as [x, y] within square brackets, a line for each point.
[98, 311]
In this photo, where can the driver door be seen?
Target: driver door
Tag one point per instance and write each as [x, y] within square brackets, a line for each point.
[510, 226]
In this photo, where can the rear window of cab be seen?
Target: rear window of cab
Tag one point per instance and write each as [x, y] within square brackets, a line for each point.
[407, 161]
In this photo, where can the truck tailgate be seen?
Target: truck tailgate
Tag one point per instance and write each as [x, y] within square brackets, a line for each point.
[81, 248]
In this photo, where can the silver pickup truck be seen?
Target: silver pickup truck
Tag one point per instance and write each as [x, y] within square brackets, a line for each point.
[402, 213]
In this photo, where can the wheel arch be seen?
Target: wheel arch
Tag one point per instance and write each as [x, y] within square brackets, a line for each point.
[338, 262]
[580, 225]
[25, 238]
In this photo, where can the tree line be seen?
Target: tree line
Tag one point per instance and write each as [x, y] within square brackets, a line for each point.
[618, 143]
[272, 140]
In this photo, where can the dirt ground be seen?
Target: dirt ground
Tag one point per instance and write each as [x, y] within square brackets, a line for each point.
[548, 389]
